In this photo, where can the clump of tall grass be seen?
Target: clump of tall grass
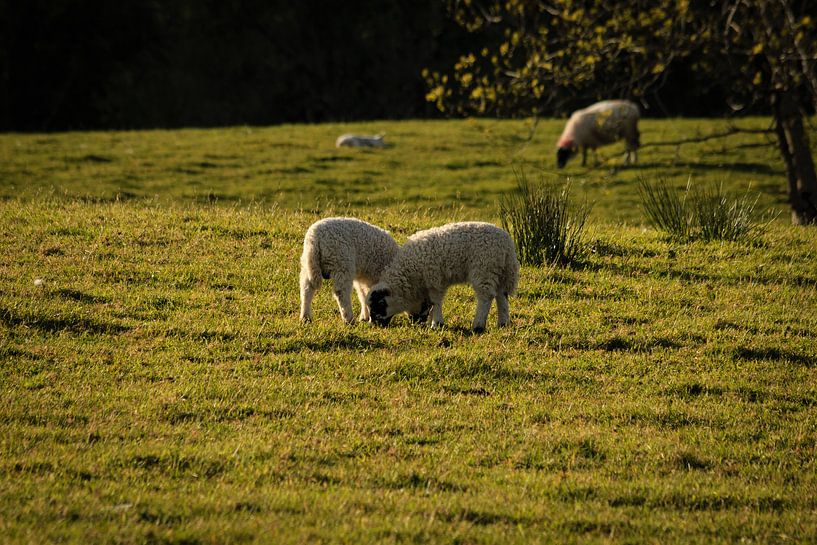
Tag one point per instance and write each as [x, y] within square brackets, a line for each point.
[665, 208]
[700, 214]
[546, 226]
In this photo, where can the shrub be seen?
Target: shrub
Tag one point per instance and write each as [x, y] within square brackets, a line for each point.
[705, 214]
[546, 226]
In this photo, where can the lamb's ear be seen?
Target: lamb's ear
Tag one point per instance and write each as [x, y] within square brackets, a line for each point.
[380, 293]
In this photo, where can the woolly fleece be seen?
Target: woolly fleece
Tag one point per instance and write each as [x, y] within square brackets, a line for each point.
[352, 253]
[598, 125]
[476, 253]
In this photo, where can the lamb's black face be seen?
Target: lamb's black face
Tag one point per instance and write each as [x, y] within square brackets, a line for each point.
[379, 307]
[562, 155]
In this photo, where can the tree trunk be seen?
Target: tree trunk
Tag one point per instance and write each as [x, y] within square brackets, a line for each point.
[794, 147]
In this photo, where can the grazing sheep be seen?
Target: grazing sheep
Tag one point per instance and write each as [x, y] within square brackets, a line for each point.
[349, 251]
[360, 141]
[598, 125]
[476, 253]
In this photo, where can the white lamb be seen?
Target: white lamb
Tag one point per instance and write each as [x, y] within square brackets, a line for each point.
[598, 125]
[360, 141]
[476, 253]
[349, 251]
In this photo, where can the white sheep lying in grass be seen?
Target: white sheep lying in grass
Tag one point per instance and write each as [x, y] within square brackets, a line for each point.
[360, 141]
[349, 251]
[476, 253]
[598, 125]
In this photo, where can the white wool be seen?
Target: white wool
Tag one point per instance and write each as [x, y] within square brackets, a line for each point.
[475, 253]
[352, 253]
[360, 141]
[602, 123]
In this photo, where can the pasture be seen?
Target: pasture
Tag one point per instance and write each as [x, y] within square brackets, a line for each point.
[157, 386]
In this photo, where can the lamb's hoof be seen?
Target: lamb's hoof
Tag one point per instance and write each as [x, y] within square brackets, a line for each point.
[478, 330]
[306, 319]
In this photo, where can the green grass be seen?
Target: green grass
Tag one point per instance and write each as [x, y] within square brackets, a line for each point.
[438, 165]
[158, 388]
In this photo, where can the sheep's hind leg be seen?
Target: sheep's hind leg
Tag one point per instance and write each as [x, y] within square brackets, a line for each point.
[503, 310]
[484, 299]
[630, 157]
[308, 289]
[342, 290]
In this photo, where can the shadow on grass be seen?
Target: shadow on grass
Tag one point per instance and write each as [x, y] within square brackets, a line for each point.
[414, 481]
[774, 354]
[177, 415]
[629, 270]
[452, 367]
[484, 518]
[349, 341]
[80, 297]
[174, 464]
[712, 501]
[56, 324]
[744, 167]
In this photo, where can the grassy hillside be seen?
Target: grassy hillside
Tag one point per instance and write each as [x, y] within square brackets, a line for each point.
[157, 387]
[442, 165]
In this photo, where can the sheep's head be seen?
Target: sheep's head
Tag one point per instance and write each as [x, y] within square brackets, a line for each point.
[563, 154]
[380, 310]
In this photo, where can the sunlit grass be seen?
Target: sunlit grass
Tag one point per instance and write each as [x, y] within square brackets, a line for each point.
[157, 386]
[450, 166]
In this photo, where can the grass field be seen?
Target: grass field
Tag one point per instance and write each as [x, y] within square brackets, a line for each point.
[157, 387]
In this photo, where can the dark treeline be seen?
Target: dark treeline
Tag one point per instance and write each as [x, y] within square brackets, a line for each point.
[88, 64]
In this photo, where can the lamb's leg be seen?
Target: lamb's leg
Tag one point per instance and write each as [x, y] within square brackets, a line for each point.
[481, 316]
[584, 156]
[485, 296]
[362, 291]
[503, 310]
[308, 289]
[436, 299]
[342, 288]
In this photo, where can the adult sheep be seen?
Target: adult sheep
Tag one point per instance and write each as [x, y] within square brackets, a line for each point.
[476, 253]
[349, 251]
[598, 125]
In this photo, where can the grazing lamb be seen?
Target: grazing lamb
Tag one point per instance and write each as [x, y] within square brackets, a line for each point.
[476, 253]
[360, 141]
[598, 125]
[349, 251]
